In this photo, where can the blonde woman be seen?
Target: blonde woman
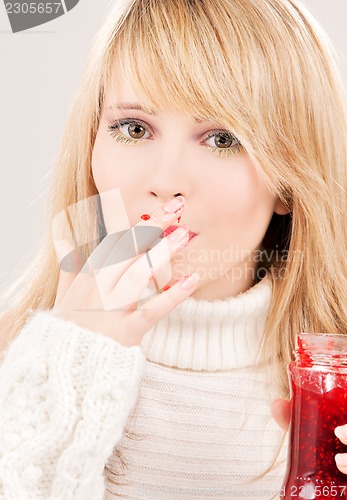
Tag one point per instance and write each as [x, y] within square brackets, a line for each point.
[138, 365]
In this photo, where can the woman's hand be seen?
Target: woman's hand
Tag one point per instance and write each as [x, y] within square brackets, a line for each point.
[103, 295]
[280, 410]
[341, 458]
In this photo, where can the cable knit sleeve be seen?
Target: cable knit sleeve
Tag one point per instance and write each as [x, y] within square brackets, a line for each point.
[65, 395]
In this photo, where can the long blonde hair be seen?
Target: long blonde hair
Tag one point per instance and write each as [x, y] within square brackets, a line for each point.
[266, 71]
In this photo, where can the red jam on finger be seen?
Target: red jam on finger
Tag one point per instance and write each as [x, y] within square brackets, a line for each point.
[318, 378]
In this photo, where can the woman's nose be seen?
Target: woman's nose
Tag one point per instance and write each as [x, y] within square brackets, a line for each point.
[168, 179]
[167, 186]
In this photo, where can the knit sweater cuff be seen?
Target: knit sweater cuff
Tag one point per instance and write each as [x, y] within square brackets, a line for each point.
[65, 395]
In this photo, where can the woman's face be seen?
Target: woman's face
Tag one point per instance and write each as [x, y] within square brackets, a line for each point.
[227, 203]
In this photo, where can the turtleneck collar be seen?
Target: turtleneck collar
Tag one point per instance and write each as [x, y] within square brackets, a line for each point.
[215, 335]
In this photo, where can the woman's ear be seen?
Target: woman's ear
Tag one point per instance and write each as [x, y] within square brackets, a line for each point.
[280, 209]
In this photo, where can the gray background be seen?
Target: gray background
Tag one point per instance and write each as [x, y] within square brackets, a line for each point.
[40, 69]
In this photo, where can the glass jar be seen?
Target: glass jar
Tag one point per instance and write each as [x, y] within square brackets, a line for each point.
[318, 384]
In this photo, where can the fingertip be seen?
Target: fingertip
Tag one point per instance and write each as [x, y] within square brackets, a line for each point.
[280, 410]
[279, 404]
[337, 432]
[341, 433]
[276, 401]
[341, 462]
[189, 282]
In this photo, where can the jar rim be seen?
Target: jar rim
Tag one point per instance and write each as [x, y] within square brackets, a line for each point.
[322, 348]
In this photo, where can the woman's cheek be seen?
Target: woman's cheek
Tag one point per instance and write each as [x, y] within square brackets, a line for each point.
[106, 164]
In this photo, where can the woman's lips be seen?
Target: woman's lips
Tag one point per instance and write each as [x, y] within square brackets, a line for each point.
[170, 229]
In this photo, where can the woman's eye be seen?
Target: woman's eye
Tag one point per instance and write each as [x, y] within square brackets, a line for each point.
[128, 131]
[223, 143]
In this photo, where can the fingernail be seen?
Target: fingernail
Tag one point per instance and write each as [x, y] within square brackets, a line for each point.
[174, 204]
[178, 234]
[341, 432]
[190, 282]
[341, 459]
[171, 215]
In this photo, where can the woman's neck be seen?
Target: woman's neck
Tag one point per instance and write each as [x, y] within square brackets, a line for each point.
[238, 279]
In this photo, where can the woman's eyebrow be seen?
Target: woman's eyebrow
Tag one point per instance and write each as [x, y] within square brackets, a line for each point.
[130, 105]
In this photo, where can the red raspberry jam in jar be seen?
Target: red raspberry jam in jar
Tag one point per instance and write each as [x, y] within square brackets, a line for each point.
[318, 379]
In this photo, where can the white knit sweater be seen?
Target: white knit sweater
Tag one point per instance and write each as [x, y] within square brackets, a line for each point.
[198, 408]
